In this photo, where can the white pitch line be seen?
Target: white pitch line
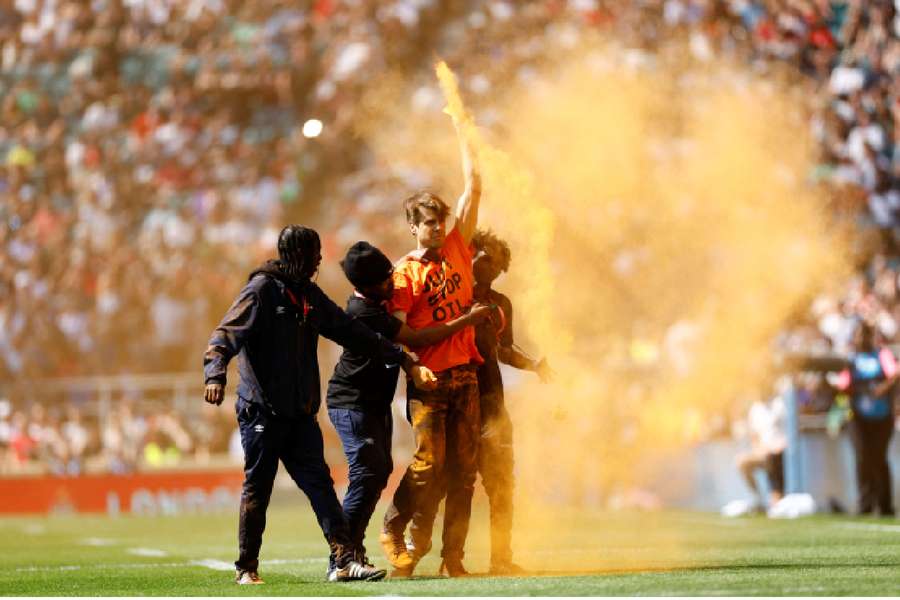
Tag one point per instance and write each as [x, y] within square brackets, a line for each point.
[209, 563]
[745, 593]
[102, 566]
[214, 564]
[34, 529]
[152, 552]
[221, 565]
[871, 527]
[292, 561]
[94, 541]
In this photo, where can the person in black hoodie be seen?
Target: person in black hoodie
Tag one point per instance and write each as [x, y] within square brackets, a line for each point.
[273, 327]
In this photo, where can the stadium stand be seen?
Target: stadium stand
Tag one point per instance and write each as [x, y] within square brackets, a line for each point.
[151, 149]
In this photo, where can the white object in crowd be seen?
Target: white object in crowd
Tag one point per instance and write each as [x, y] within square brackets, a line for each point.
[350, 59]
[846, 80]
[312, 128]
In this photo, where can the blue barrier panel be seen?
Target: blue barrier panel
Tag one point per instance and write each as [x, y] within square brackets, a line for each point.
[793, 471]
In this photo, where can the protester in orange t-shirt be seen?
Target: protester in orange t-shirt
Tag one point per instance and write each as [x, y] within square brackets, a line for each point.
[433, 284]
[432, 292]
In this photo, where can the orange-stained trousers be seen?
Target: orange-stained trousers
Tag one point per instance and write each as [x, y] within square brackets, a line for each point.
[446, 427]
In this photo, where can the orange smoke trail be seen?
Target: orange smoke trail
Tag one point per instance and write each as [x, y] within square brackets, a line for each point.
[511, 188]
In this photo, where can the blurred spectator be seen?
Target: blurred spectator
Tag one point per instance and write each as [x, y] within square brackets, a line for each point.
[76, 437]
[871, 383]
[22, 445]
[166, 440]
[122, 438]
[766, 428]
[210, 432]
[6, 432]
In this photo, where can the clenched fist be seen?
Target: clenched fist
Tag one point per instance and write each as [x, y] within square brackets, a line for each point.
[215, 393]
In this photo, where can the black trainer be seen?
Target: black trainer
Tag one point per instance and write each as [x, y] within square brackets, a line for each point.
[356, 571]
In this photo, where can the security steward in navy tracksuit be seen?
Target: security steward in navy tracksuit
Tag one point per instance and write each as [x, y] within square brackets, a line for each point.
[273, 327]
[871, 381]
[361, 390]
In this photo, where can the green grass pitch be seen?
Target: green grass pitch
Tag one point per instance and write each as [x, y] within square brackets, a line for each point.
[600, 553]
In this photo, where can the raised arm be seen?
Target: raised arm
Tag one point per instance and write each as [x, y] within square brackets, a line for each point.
[427, 336]
[467, 207]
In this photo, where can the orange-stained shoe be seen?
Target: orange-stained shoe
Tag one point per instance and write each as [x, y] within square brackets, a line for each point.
[395, 549]
[505, 568]
[452, 567]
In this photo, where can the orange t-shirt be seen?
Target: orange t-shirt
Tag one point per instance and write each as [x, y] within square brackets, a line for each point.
[431, 293]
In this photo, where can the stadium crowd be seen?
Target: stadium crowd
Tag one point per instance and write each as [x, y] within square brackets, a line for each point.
[149, 147]
[150, 150]
[134, 435]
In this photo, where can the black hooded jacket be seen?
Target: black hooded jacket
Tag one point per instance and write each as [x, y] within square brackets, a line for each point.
[273, 327]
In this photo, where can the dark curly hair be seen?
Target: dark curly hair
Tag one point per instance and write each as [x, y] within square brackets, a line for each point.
[498, 249]
[297, 247]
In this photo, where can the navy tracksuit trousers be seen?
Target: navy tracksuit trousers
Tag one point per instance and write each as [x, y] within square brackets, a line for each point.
[367, 443]
[297, 443]
[871, 439]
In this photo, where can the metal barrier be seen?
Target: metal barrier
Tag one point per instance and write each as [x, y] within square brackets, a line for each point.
[183, 390]
[795, 479]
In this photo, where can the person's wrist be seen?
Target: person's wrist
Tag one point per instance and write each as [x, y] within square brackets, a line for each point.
[408, 362]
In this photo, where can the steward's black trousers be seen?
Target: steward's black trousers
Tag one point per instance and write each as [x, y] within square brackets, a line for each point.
[298, 444]
[871, 439]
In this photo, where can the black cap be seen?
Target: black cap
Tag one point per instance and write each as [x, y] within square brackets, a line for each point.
[365, 265]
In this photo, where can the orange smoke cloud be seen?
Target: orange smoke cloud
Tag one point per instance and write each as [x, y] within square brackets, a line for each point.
[662, 233]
